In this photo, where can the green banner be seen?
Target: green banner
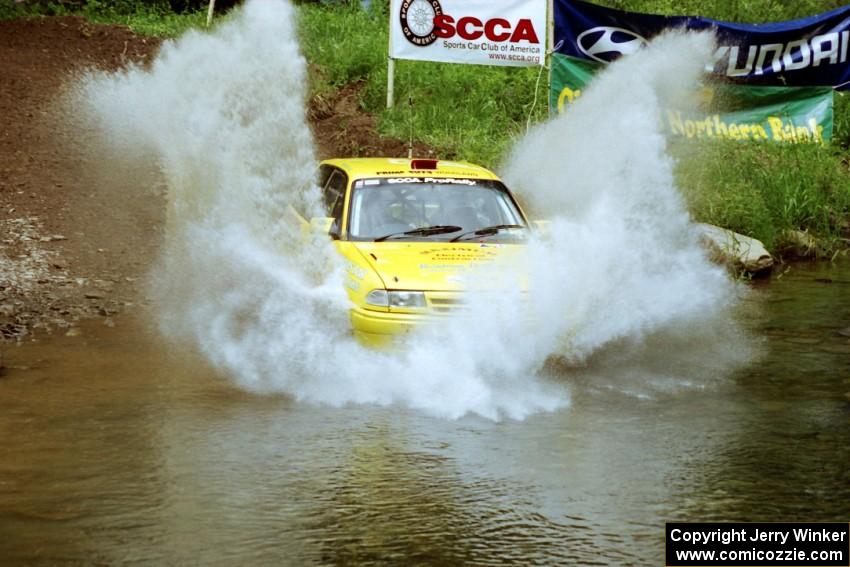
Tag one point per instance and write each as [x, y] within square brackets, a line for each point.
[800, 115]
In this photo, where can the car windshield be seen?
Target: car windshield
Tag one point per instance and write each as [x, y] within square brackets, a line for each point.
[390, 207]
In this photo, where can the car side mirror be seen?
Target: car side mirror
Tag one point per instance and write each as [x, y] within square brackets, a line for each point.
[322, 225]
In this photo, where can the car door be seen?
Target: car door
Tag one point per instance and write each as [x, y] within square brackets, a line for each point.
[333, 197]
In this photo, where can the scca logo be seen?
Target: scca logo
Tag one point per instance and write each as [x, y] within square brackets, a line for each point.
[423, 21]
[606, 44]
[497, 29]
[417, 21]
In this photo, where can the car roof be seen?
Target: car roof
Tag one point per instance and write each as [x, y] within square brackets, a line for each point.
[358, 168]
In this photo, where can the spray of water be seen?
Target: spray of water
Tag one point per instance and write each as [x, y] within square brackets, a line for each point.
[629, 262]
[223, 113]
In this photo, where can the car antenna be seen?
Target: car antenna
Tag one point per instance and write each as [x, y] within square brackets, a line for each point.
[410, 124]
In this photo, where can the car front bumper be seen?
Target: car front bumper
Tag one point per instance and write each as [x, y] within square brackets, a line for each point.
[383, 329]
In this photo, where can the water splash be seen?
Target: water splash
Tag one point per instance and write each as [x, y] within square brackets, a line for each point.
[223, 113]
[630, 262]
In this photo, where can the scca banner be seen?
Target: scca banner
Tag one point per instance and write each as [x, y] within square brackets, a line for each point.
[811, 51]
[509, 32]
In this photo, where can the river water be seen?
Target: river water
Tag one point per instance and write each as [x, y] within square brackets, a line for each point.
[118, 450]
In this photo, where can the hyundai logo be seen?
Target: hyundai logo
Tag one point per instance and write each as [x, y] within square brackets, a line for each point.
[606, 44]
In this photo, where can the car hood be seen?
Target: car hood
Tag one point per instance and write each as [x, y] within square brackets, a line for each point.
[437, 266]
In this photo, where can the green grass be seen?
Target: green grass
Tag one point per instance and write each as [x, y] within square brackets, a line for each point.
[153, 22]
[145, 18]
[841, 132]
[463, 111]
[766, 190]
[475, 112]
[744, 11]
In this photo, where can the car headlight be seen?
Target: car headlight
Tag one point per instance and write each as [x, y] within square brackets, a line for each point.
[378, 297]
[405, 299]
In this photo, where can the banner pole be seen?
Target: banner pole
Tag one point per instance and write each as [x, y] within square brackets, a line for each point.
[550, 48]
[390, 82]
[390, 60]
[210, 11]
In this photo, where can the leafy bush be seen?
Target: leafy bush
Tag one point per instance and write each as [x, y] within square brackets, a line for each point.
[765, 190]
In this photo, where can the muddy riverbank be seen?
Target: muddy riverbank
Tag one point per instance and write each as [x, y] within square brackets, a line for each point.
[78, 239]
[66, 253]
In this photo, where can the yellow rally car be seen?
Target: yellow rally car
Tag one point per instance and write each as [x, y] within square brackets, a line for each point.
[409, 231]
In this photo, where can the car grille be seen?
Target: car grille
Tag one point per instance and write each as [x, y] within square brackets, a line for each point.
[445, 302]
[449, 303]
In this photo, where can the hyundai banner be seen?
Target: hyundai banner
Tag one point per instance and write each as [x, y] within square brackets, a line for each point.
[812, 51]
[777, 82]
[731, 112]
[509, 32]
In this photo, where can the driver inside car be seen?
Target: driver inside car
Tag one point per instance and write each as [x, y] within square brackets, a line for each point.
[384, 213]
